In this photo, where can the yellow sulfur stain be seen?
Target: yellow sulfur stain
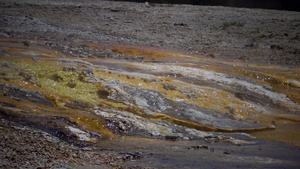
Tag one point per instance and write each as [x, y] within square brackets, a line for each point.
[54, 83]
[91, 123]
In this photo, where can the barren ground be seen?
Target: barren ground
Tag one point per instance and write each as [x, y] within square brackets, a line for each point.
[234, 35]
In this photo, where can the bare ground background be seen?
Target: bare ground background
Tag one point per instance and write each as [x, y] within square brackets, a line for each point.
[253, 35]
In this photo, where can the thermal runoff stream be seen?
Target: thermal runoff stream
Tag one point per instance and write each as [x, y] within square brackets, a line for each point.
[159, 105]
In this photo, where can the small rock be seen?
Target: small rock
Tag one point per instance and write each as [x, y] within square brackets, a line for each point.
[185, 138]
[150, 80]
[91, 80]
[131, 156]
[212, 139]
[211, 56]
[2, 74]
[35, 59]
[25, 75]
[180, 24]
[82, 135]
[86, 72]
[33, 80]
[171, 138]
[197, 147]
[276, 47]
[56, 77]
[87, 149]
[26, 43]
[15, 98]
[250, 45]
[169, 86]
[147, 5]
[72, 83]
[155, 133]
[66, 68]
[8, 65]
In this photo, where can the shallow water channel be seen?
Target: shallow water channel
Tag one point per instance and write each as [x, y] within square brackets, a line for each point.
[156, 107]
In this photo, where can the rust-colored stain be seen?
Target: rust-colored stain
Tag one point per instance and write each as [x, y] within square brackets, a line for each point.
[46, 74]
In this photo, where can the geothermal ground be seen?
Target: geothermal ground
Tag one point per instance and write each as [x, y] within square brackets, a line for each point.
[105, 84]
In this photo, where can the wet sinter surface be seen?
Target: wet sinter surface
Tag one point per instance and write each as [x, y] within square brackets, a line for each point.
[155, 107]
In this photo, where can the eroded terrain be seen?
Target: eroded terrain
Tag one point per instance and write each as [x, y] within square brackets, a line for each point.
[131, 92]
[96, 94]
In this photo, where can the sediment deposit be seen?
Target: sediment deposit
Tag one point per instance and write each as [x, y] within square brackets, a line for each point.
[136, 87]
